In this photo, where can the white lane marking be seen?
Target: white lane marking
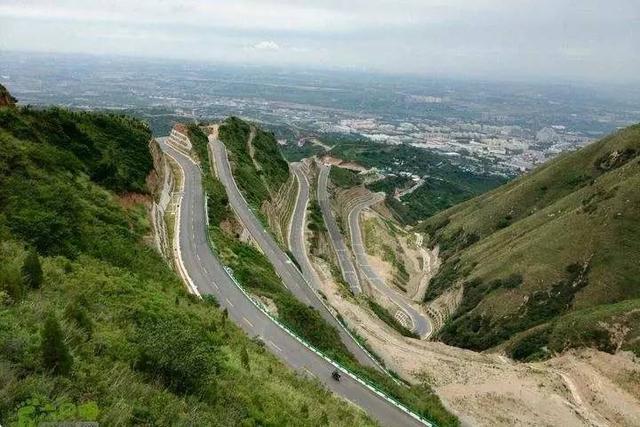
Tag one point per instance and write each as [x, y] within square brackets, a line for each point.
[249, 323]
[214, 284]
[199, 260]
[309, 372]
[275, 346]
[229, 302]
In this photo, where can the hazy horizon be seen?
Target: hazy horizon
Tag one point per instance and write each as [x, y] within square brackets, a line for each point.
[594, 41]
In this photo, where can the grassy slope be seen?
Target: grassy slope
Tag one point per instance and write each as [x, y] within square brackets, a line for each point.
[144, 352]
[569, 231]
[344, 178]
[257, 185]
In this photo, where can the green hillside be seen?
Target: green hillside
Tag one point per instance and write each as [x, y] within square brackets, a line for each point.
[554, 252]
[93, 324]
[259, 174]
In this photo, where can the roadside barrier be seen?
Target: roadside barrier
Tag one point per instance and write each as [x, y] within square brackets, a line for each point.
[354, 376]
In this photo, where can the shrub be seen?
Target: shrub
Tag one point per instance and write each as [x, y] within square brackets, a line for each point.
[11, 282]
[55, 354]
[531, 347]
[181, 355]
[244, 359]
[32, 270]
[77, 313]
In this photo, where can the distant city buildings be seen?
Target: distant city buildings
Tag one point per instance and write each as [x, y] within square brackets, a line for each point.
[510, 149]
[487, 128]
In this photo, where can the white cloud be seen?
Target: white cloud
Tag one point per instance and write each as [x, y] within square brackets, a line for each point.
[266, 45]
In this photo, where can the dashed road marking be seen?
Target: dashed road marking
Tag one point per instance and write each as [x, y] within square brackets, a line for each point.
[246, 320]
[275, 346]
[229, 302]
[309, 372]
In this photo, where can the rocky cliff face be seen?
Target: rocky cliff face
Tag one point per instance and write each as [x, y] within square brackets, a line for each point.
[6, 100]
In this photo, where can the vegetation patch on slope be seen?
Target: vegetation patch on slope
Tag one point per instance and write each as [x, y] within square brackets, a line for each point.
[256, 183]
[316, 222]
[390, 183]
[387, 318]
[344, 178]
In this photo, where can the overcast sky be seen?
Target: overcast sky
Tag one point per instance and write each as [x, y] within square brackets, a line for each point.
[522, 39]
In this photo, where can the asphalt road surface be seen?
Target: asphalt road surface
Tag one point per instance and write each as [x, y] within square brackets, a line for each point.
[419, 322]
[349, 272]
[298, 226]
[209, 277]
[291, 277]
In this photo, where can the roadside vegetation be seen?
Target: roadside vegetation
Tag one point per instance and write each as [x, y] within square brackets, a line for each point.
[387, 318]
[94, 326]
[293, 153]
[389, 183]
[260, 176]
[547, 253]
[344, 178]
[316, 222]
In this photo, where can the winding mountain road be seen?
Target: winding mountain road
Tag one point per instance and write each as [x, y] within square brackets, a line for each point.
[291, 277]
[298, 225]
[412, 318]
[205, 274]
[349, 272]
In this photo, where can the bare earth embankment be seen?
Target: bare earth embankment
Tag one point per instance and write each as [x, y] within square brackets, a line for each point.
[585, 387]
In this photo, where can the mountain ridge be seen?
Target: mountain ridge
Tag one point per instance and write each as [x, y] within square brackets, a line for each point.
[558, 240]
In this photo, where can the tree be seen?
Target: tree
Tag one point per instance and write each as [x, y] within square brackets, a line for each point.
[244, 358]
[11, 283]
[32, 270]
[179, 353]
[55, 354]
